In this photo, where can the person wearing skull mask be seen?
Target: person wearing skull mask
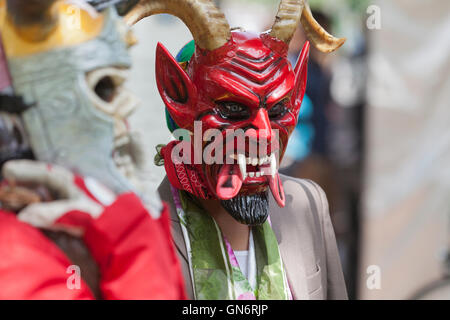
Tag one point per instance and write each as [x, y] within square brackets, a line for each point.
[68, 64]
[235, 239]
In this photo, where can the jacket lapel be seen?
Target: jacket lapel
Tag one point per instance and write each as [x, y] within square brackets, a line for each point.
[165, 194]
[283, 226]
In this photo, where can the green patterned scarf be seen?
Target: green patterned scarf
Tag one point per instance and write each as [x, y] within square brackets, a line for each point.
[214, 269]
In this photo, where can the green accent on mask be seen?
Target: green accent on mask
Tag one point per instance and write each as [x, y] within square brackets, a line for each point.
[186, 52]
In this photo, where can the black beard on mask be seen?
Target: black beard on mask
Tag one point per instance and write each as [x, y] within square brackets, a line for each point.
[251, 210]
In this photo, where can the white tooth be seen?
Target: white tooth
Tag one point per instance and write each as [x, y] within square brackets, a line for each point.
[127, 159]
[254, 161]
[251, 174]
[122, 170]
[234, 156]
[258, 174]
[249, 160]
[242, 165]
[273, 165]
[261, 161]
[119, 160]
[120, 141]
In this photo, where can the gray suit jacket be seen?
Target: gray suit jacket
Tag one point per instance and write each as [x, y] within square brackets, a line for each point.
[305, 237]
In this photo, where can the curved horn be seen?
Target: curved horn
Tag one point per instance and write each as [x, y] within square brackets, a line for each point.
[318, 36]
[207, 24]
[287, 19]
[34, 19]
[290, 13]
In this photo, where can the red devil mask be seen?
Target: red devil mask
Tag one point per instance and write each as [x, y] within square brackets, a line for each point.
[234, 82]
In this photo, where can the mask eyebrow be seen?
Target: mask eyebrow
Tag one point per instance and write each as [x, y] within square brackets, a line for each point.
[235, 89]
[284, 101]
[280, 93]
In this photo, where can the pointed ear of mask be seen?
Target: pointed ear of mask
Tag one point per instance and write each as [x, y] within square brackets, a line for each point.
[301, 73]
[175, 87]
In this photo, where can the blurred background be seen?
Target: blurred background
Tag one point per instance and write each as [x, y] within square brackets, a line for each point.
[373, 132]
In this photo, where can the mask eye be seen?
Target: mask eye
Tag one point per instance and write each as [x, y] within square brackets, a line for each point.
[277, 111]
[233, 111]
[105, 89]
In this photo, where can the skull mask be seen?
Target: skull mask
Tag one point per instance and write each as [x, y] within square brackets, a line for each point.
[72, 65]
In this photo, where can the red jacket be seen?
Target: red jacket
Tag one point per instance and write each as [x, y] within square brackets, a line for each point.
[134, 252]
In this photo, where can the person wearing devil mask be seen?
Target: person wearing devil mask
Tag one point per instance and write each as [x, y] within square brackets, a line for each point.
[75, 229]
[242, 230]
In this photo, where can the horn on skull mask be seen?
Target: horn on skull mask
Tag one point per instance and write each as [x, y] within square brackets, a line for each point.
[34, 20]
[290, 14]
[207, 24]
